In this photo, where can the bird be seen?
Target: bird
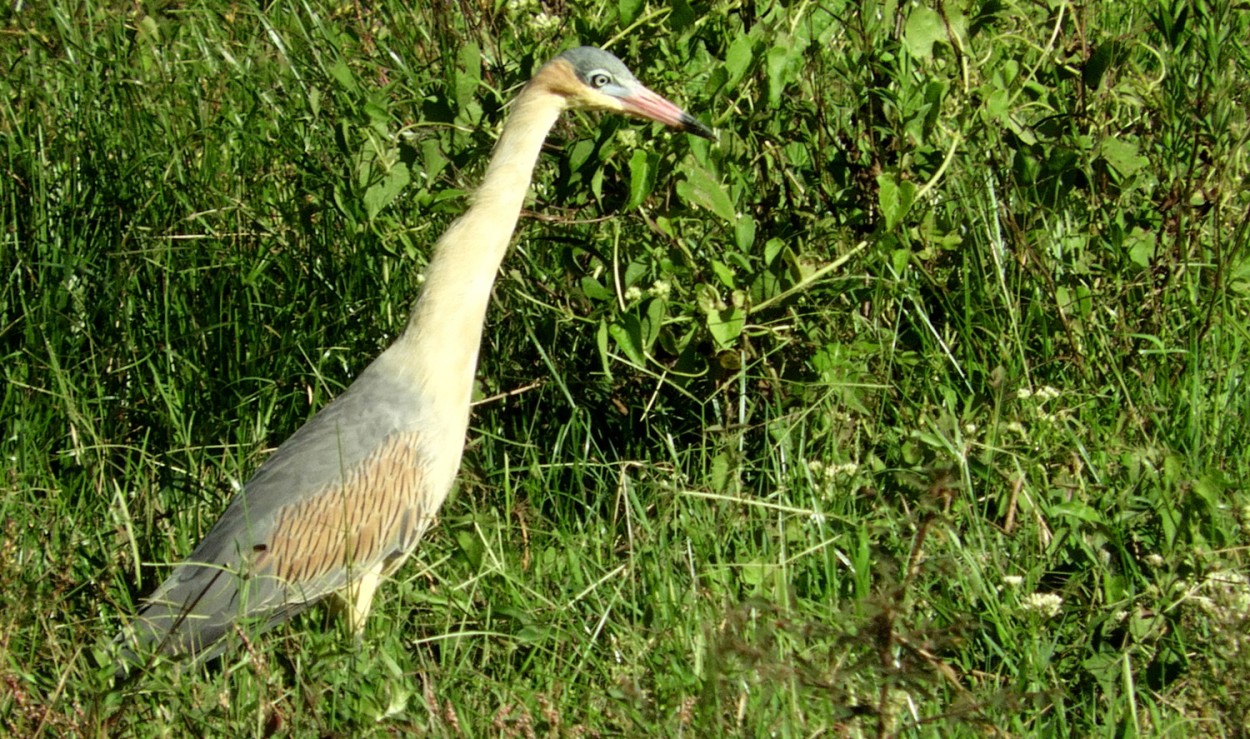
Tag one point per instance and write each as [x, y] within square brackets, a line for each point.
[341, 504]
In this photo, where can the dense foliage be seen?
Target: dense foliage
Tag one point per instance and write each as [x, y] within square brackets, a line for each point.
[915, 404]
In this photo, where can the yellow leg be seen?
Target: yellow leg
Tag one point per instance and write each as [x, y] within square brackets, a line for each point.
[355, 600]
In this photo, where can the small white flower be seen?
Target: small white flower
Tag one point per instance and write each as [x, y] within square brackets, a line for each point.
[632, 293]
[1154, 560]
[1047, 604]
[1024, 393]
[1013, 581]
[660, 289]
[1226, 595]
[544, 21]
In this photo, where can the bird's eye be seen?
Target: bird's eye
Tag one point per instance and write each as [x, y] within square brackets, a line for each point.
[600, 79]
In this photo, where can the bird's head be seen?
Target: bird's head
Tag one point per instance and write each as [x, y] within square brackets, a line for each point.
[594, 79]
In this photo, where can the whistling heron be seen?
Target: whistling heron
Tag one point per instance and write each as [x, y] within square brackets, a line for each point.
[345, 500]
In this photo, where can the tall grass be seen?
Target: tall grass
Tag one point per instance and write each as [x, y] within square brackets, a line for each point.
[914, 405]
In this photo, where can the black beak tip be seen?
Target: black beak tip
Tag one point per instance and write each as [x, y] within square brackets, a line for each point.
[690, 124]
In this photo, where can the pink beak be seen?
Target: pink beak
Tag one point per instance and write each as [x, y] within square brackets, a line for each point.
[646, 104]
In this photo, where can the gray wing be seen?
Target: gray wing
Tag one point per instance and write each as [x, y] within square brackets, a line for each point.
[342, 494]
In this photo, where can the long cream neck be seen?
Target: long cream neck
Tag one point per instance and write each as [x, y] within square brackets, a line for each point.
[439, 346]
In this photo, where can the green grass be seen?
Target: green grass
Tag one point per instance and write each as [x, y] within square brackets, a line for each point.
[915, 405]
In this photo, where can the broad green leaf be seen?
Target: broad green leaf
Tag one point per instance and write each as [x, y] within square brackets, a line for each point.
[755, 573]
[682, 15]
[379, 116]
[596, 183]
[821, 27]
[149, 30]
[627, 333]
[898, 261]
[592, 289]
[342, 74]
[314, 102]
[641, 177]
[1239, 277]
[652, 324]
[744, 233]
[738, 59]
[726, 326]
[665, 226]
[934, 94]
[778, 61]
[924, 27]
[1079, 511]
[1123, 156]
[1084, 305]
[1005, 73]
[700, 189]
[432, 159]
[1107, 668]
[894, 198]
[580, 153]
[998, 104]
[772, 249]
[1211, 487]
[765, 285]
[383, 193]
[723, 273]
[1141, 246]
[468, 76]
[634, 272]
[627, 11]
[470, 546]
[739, 260]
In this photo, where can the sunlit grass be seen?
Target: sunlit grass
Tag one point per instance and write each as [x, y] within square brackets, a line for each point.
[986, 475]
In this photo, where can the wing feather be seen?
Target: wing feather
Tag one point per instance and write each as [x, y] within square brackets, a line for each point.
[348, 490]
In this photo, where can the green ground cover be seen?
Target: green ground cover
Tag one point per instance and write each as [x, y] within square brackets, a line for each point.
[915, 405]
